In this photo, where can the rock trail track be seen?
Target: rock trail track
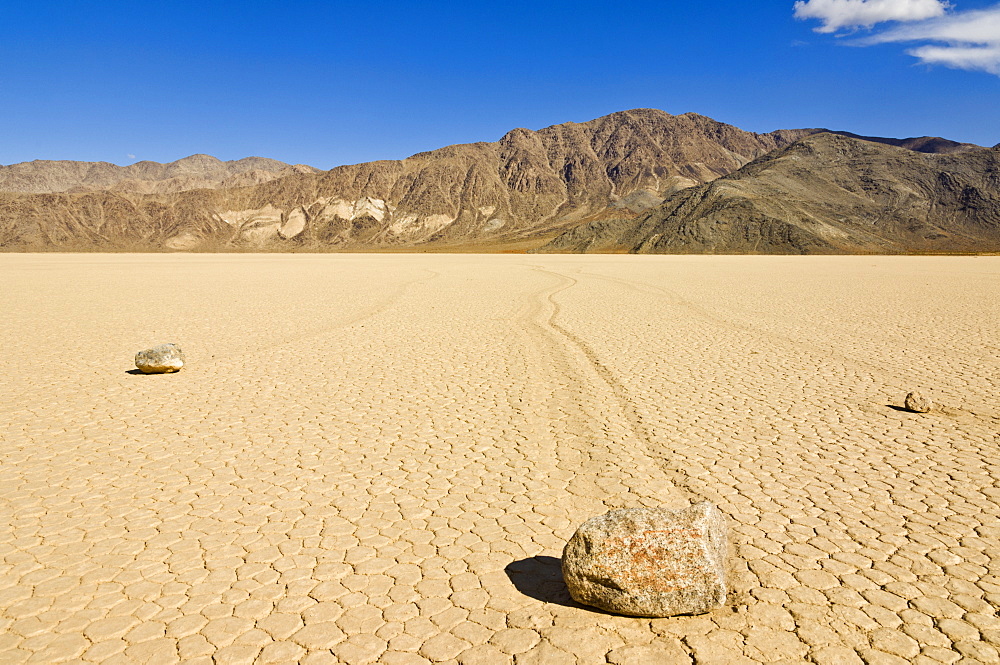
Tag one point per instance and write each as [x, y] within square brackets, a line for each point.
[378, 458]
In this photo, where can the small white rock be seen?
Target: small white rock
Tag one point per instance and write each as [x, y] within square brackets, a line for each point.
[917, 403]
[160, 359]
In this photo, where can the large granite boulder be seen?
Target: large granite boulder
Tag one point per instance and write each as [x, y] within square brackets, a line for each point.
[649, 562]
[160, 359]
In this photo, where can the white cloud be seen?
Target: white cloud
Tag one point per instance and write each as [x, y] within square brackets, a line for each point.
[961, 39]
[837, 14]
[984, 58]
[964, 40]
[977, 26]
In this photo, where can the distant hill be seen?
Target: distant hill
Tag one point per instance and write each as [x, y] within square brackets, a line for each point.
[194, 172]
[583, 182]
[928, 144]
[827, 193]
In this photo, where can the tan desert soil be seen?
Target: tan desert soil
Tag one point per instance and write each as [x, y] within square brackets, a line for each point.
[378, 458]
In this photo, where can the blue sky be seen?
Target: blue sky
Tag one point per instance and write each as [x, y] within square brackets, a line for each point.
[328, 83]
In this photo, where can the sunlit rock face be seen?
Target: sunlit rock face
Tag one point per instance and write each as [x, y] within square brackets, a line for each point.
[649, 562]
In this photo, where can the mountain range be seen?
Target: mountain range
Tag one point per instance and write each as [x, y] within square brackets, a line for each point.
[635, 181]
[194, 172]
[824, 194]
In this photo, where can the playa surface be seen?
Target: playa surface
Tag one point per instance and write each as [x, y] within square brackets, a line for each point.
[378, 458]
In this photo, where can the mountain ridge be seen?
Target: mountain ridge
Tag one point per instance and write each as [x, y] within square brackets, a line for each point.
[47, 176]
[521, 187]
[520, 191]
[827, 193]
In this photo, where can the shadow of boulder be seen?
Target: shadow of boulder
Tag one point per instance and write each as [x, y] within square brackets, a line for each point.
[540, 577]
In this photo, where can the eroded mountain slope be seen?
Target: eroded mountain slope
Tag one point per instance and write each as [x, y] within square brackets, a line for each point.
[827, 193]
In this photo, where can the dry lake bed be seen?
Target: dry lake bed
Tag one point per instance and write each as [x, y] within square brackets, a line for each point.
[378, 458]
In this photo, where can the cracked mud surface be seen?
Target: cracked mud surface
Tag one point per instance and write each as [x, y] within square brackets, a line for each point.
[379, 458]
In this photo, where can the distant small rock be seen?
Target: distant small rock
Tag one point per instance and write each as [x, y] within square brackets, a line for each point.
[917, 403]
[649, 562]
[160, 359]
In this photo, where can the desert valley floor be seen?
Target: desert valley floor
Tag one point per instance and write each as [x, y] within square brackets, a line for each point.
[378, 458]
